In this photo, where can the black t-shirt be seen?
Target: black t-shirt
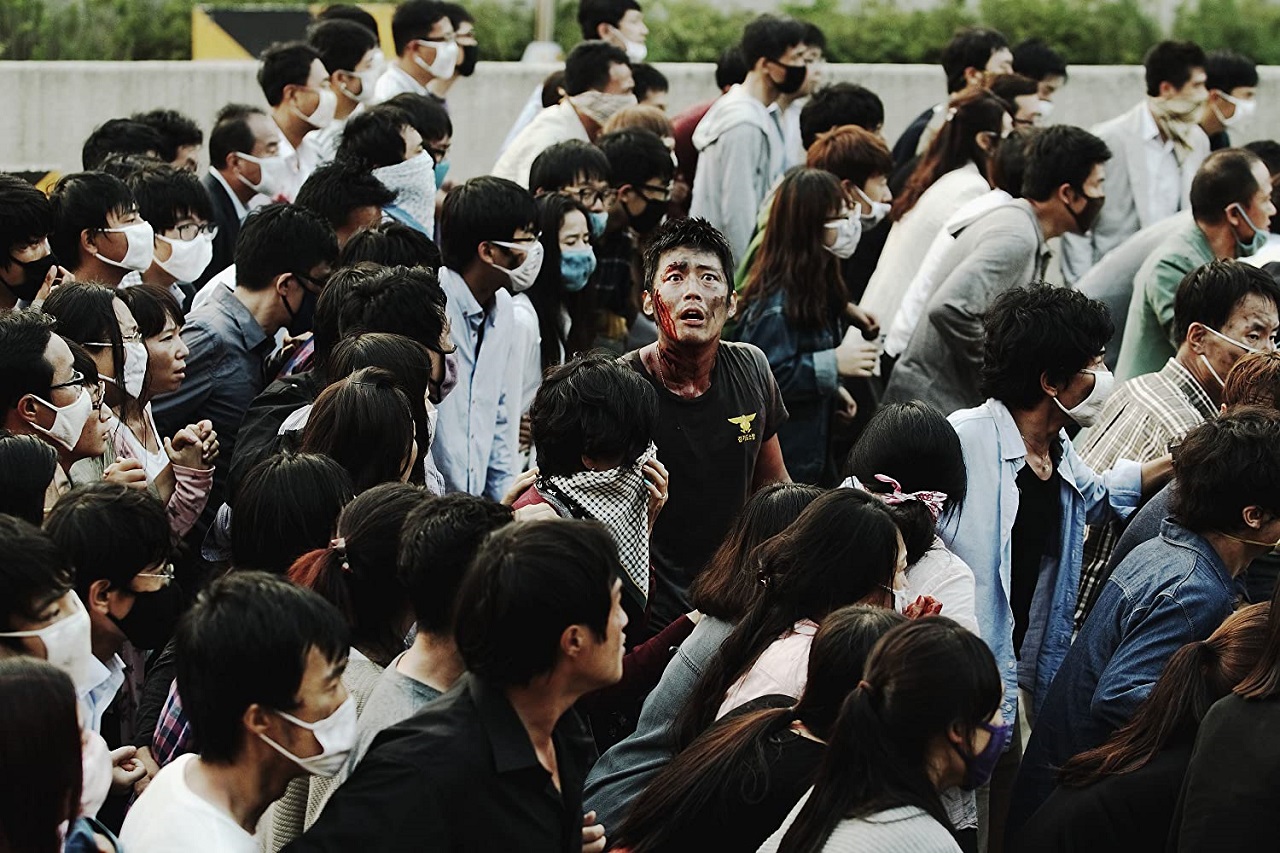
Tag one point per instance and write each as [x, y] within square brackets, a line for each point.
[709, 447]
[1033, 535]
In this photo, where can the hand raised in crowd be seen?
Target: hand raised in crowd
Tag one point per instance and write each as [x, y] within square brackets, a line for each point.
[846, 406]
[656, 480]
[593, 840]
[519, 486]
[924, 605]
[187, 449]
[126, 769]
[856, 356]
[868, 322]
[148, 762]
[126, 472]
[53, 278]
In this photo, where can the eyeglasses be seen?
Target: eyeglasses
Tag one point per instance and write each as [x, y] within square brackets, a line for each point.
[164, 573]
[662, 194]
[317, 284]
[76, 381]
[97, 394]
[133, 337]
[589, 196]
[191, 230]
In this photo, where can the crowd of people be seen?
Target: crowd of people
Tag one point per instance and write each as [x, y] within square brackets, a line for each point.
[729, 480]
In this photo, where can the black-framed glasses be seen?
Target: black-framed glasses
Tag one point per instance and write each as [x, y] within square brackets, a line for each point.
[588, 196]
[191, 230]
[662, 193]
[76, 381]
[316, 284]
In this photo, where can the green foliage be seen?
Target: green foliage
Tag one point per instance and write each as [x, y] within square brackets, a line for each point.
[1249, 27]
[1086, 31]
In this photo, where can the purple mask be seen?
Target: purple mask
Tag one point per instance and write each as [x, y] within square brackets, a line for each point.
[978, 768]
[450, 380]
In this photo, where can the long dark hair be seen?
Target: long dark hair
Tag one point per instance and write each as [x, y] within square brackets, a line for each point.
[922, 678]
[1197, 675]
[39, 733]
[969, 113]
[27, 466]
[365, 423]
[85, 312]
[357, 572]
[842, 549]
[548, 294]
[730, 583]
[733, 753]
[792, 258]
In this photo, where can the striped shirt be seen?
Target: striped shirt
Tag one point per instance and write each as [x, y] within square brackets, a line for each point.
[1138, 422]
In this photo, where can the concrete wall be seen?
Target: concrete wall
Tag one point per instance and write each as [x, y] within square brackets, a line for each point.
[50, 107]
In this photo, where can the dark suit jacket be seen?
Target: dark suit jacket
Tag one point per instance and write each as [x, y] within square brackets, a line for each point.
[228, 222]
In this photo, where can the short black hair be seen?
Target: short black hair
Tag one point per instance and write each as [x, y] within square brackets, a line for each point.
[814, 36]
[439, 540]
[970, 47]
[410, 366]
[151, 305]
[914, 444]
[458, 14]
[363, 422]
[768, 37]
[110, 532]
[119, 136]
[1039, 330]
[692, 233]
[1171, 62]
[731, 67]
[341, 44]
[588, 64]
[636, 157]
[281, 238]
[165, 195]
[391, 244]
[24, 337]
[336, 189]
[346, 12]
[562, 164]
[528, 584]
[1226, 464]
[1059, 155]
[26, 216]
[591, 406]
[374, 138]
[284, 64]
[1209, 294]
[231, 133]
[483, 208]
[593, 13]
[1011, 86]
[405, 301]
[1223, 179]
[837, 105]
[1268, 150]
[1009, 166]
[648, 79]
[34, 570]
[245, 642]
[1227, 70]
[81, 202]
[1035, 59]
[85, 311]
[426, 115]
[291, 503]
[414, 20]
[27, 467]
[176, 131]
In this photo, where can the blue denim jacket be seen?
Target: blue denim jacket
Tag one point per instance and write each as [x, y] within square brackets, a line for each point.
[803, 362]
[981, 534]
[1169, 591]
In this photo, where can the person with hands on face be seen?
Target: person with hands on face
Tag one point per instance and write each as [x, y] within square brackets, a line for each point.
[719, 406]
[28, 267]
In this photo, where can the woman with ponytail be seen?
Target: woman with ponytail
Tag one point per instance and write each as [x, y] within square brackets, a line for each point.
[739, 779]
[924, 718]
[843, 549]
[1121, 795]
[356, 574]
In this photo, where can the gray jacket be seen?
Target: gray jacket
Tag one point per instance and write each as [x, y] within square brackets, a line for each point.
[1001, 250]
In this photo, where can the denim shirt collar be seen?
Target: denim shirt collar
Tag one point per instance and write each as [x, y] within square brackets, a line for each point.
[1180, 536]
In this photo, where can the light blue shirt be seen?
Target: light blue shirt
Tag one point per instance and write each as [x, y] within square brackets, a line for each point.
[471, 448]
[982, 533]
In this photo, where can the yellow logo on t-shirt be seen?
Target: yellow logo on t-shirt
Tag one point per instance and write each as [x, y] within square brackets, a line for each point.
[744, 423]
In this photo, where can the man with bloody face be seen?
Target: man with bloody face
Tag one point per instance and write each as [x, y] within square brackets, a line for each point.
[719, 407]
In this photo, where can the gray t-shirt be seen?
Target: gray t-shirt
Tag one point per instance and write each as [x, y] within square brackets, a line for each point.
[905, 829]
[395, 697]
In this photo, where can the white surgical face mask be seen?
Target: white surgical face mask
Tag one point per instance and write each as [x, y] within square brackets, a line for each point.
[68, 421]
[368, 79]
[1046, 110]
[336, 734]
[1085, 413]
[141, 247]
[135, 368]
[326, 109]
[636, 50]
[879, 210]
[445, 62]
[523, 276]
[1244, 110]
[95, 765]
[848, 234]
[66, 643]
[275, 178]
[187, 258]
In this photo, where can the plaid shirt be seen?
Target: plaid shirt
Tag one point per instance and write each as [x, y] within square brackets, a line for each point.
[1138, 422]
[173, 733]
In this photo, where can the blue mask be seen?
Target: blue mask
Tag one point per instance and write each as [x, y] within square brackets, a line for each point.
[596, 222]
[1258, 240]
[442, 169]
[576, 268]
